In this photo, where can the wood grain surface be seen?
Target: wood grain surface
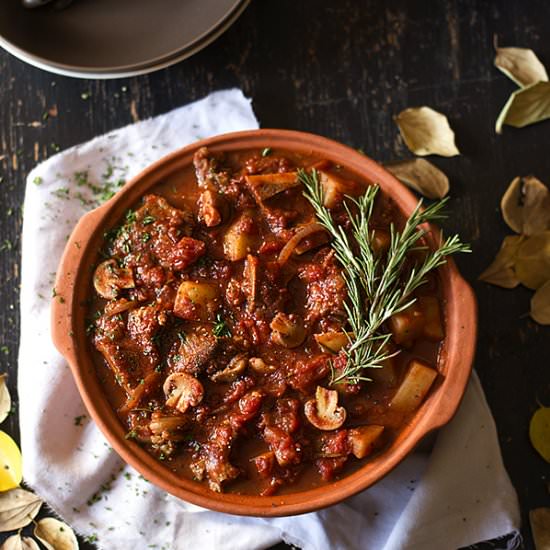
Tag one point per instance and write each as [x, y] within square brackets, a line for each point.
[340, 69]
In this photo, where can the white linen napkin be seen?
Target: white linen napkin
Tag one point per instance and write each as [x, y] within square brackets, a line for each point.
[456, 495]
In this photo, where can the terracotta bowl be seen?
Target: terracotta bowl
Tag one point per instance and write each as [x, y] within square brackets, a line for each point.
[69, 331]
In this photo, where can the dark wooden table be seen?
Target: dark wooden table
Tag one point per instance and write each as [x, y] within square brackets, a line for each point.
[340, 69]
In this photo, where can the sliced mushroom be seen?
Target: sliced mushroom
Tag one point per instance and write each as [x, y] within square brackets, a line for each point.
[182, 391]
[265, 186]
[323, 411]
[333, 341]
[288, 330]
[236, 366]
[168, 427]
[260, 366]
[119, 306]
[109, 279]
[363, 438]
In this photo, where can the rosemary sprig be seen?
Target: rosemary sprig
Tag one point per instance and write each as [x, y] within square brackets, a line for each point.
[378, 287]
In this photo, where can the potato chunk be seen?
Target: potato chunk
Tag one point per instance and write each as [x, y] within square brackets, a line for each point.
[413, 389]
[196, 301]
[363, 439]
[423, 318]
[239, 239]
[336, 187]
[109, 279]
[333, 341]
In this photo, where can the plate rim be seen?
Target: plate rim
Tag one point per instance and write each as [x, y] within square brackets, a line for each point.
[135, 69]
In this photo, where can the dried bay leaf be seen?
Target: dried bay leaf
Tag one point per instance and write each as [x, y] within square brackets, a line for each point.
[525, 205]
[539, 432]
[501, 272]
[539, 518]
[532, 262]
[525, 106]
[16, 542]
[422, 176]
[521, 65]
[540, 307]
[18, 508]
[426, 132]
[55, 535]
[5, 399]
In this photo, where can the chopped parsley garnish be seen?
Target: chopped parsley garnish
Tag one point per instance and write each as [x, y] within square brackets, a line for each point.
[148, 219]
[131, 434]
[220, 327]
[78, 419]
[266, 152]
[130, 216]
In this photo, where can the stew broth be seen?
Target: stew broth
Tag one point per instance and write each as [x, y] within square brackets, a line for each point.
[219, 320]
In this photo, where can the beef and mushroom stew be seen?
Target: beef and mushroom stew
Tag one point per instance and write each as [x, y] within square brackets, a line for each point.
[268, 322]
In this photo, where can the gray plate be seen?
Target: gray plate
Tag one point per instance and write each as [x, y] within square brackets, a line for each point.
[110, 38]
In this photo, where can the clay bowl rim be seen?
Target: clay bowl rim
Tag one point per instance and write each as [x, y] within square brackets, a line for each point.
[69, 334]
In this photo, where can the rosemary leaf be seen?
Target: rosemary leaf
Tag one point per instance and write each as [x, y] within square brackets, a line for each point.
[378, 287]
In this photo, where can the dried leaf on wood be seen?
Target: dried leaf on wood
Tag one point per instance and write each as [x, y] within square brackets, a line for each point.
[422, 176]
[532, 262]
[501, 272]
[525, 205]
[427, 132]
[539, 518]
[18, 508]
[16, 542]
[525, 106]
[521, 65]
[540, 306]
[55, 535]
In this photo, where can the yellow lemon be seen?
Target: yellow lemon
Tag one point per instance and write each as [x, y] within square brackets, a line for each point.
[10, 463]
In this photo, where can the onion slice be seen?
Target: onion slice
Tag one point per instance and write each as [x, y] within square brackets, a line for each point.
[302, 233]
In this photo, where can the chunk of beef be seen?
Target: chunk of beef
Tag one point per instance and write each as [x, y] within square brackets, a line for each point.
[277, 429]
[157, 234]
[325, 287]
[304, 374]
[211, 180]
[195, 350]
[214, 457]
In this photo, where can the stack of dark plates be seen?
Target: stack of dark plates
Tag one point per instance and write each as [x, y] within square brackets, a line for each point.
[111, 39]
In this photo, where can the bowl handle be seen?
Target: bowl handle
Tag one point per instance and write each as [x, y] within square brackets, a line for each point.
[63, 302]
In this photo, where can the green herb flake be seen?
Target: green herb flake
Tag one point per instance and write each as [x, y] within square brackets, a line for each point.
[37, 180]
[78, 419]
[266, 152]
[220, 328]
[132, 434]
